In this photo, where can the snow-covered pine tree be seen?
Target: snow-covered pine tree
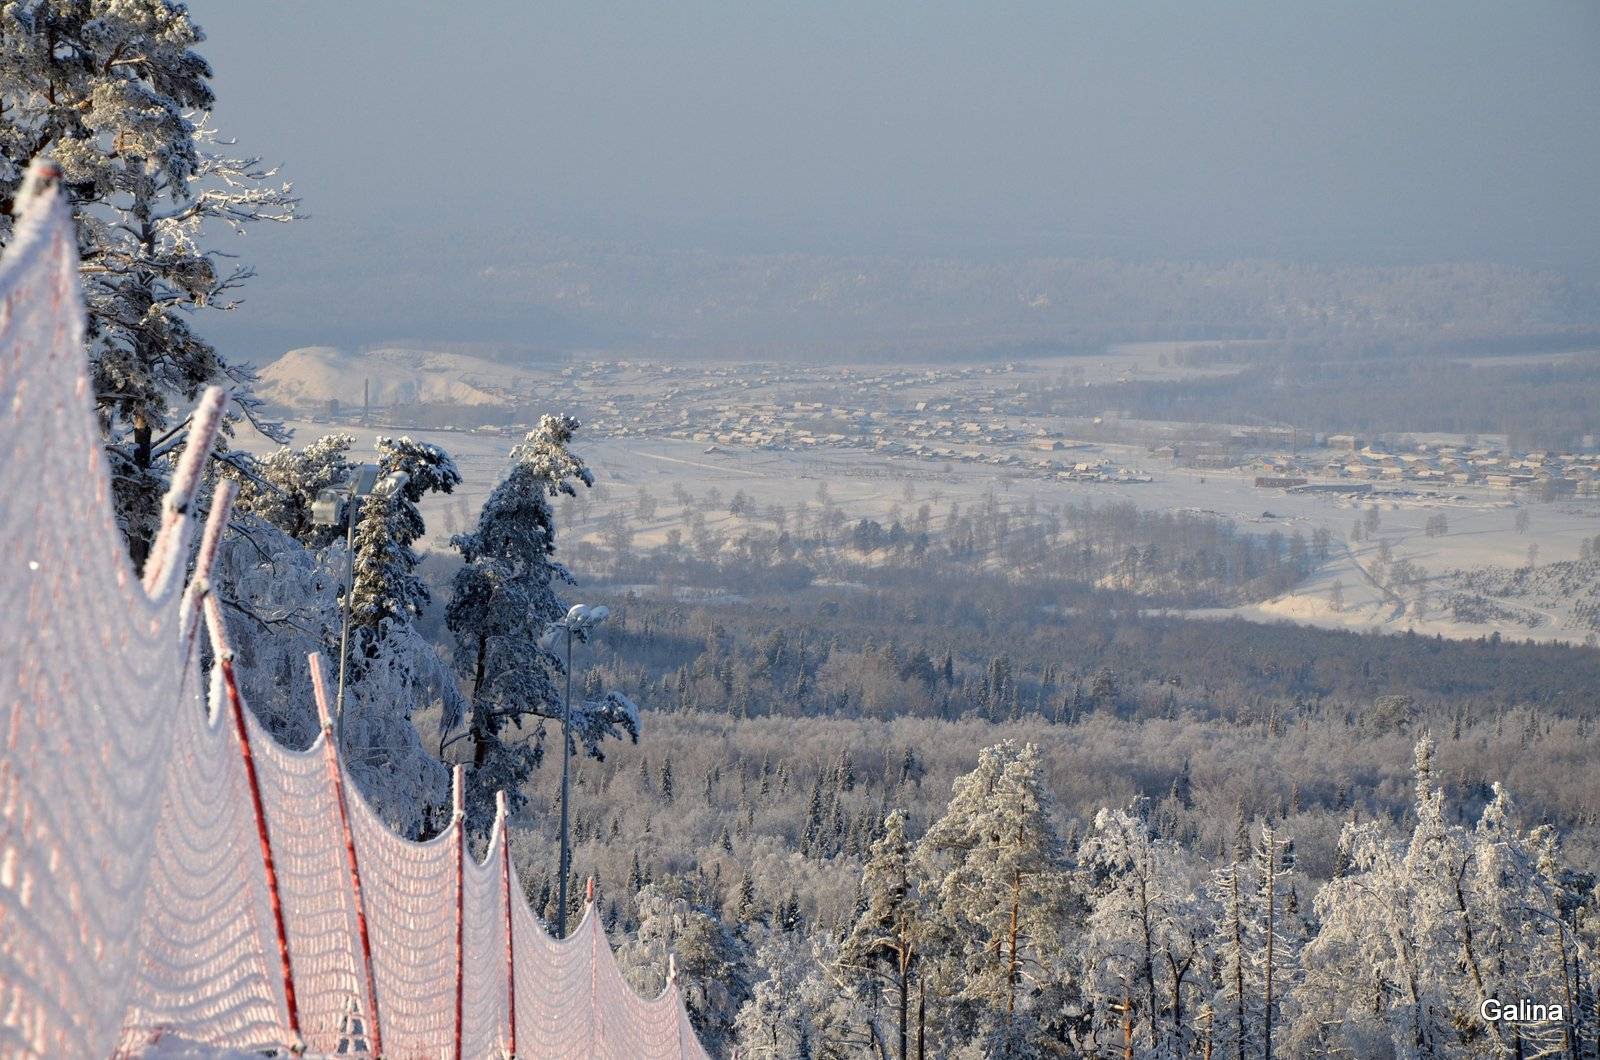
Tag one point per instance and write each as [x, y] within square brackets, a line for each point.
[386, 590]
[1142, 945]
[116, 93]
[282, 578]
[886, 938]
[503, 599]
[387, 587]
[775, 1024]
[712, 963]
[1515, 905]
[1274, 963]
[1421, 930]
[283, 599]
[1232, 1025]
[281, 486]
[993, 868]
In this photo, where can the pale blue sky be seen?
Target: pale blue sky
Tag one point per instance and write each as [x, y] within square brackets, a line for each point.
[1365, 130]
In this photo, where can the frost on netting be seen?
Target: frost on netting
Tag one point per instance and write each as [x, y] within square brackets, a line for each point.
[136, 914]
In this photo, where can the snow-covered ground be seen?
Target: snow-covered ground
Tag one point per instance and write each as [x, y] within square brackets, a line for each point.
[1482, 534]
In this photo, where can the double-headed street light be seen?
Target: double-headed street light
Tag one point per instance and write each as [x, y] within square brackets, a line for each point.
[325, 512]
[579, 621]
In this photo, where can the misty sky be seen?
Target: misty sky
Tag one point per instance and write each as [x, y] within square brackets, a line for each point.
[458, 133]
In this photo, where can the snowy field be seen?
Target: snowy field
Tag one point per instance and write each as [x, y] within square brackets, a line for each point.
[1483, 522]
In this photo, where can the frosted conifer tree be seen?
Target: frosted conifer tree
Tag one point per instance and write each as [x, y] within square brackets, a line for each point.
[1232, 1022]
[283, 602]
[886, 938]
[1422, 929]
[282, 578]
[503, 599]
[387, 587]
[1275, 959]
[1144, 960]
[114, 91]
[711, 964]
[993, 866]
[281, 486]
[774, 1024]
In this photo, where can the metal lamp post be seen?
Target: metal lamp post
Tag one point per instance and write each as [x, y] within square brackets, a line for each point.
[580, 619]
[325, 512]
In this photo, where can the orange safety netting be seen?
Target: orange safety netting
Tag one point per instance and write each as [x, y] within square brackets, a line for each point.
[168, 872]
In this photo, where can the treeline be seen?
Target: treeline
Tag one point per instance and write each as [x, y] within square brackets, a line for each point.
[874, 309]
[906, 642]
[1538, 406]
[1160, 558]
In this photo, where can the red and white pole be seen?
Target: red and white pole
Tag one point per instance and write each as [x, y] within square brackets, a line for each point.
[200, 585]
[319, 688]
[459, 823]
[219, 643]
[505, 894]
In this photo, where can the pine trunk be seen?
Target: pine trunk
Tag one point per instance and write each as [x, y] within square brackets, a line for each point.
[904, 999]
[480, 728]
[138, 540]
[1149, 955]
[1272, 887]
[922, 1019]
[1011, 971]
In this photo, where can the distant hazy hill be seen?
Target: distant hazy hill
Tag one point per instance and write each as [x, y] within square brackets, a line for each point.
[868, 308]
[313, 375]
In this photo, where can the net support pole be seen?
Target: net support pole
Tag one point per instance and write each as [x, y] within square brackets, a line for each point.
[511, 945]
[458, 798]
[319, 688]
[219, 642]
[596, 1028]
[167, 550]
[204, 560]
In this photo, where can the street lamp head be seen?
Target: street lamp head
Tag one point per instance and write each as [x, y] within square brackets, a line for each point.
[363, 479]
[579, 620]
[325, 509]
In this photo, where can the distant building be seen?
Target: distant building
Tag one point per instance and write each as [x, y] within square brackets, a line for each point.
[1278, 482]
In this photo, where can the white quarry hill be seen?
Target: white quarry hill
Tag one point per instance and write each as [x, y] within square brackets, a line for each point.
[307, 378]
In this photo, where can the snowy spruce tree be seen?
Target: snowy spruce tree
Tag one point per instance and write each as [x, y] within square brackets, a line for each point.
[1145, 967]
[709, 960]
[1256, 935]
[388, 591]
[776, 1024]
[1230, 1019]
[114, 91]
[1279, 933]
[281, 487]
[503, 599]
[995, 876]
[883, 945]
[1421, 929]
[281, 600]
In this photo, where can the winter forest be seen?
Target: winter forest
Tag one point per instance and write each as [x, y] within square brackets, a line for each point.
[966, 780]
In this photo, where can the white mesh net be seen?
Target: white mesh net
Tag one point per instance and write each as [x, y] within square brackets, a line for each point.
[168, 873]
